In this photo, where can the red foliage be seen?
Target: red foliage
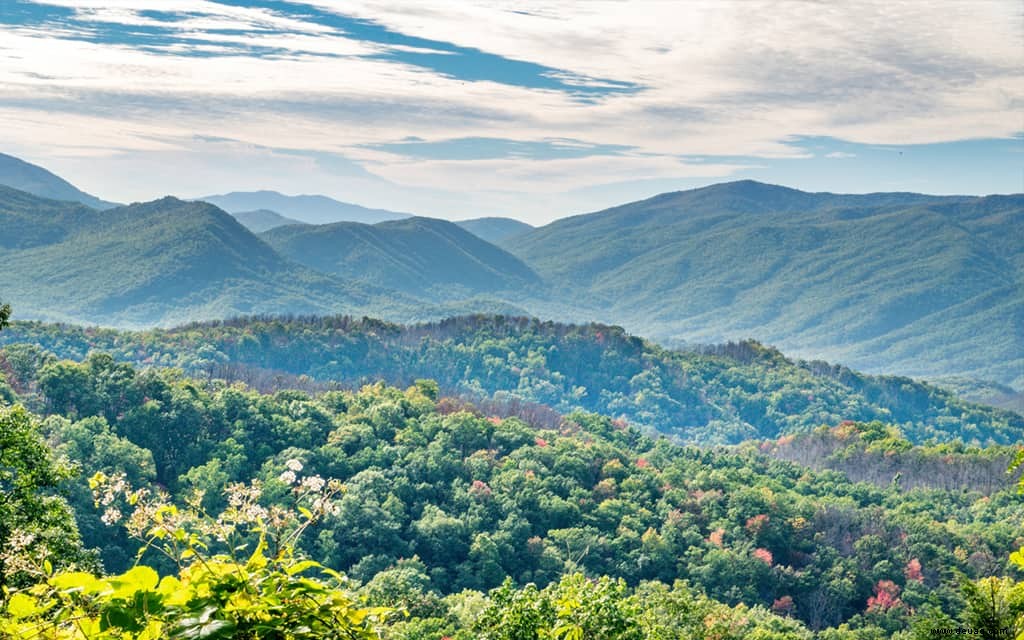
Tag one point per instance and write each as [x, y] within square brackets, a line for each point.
[783, 605]
[540, 442]
[642, 463]
[887, 596]
[763, 555]
[480, 489]
[715, 537]
[757, 523]
[913, 571]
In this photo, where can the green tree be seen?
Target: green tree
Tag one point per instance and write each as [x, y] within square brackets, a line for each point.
[36, 526]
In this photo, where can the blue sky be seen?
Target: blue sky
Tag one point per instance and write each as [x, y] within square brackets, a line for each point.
[531, 109]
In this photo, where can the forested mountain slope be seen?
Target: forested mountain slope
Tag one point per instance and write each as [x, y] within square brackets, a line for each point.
[156, 262]
[723, 394]
[25, 176]
[918, 284]
[421, 256]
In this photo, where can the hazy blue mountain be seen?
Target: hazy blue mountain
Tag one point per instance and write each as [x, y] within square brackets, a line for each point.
[24, 176]
[899, 282]
[416, 255]
[262, 220]
[494, 229]
[311, 209]
[160, 262]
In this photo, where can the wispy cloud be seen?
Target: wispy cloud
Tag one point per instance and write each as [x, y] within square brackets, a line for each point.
[501, 104]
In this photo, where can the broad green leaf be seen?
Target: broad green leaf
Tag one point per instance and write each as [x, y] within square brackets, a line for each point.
[22, 606]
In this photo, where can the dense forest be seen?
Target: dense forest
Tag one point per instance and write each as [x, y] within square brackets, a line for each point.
[495, 519]
[722, 394]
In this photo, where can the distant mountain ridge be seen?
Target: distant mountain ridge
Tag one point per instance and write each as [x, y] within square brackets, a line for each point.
[415, 255]
[312, 209]
[25, 176]
[262, 220]
[494, 229]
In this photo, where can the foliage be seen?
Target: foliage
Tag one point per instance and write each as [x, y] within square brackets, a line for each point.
[444, 497]
[267, 593]
[33, 519]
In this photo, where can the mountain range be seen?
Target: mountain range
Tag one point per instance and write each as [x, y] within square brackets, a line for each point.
[896, 282]
[885, 282]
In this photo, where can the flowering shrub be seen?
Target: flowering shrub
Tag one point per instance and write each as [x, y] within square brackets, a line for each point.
[222, 588]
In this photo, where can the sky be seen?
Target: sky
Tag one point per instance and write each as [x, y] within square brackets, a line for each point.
[534, 110]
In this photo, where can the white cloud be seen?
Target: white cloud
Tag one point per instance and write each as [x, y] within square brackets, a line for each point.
[840, 155]
[735, 79]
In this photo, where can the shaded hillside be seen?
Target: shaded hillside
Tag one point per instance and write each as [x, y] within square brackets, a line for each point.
[494, 229]
[898, 282]
[157, 262]
[415, 255]
[726, 394]
[305, 208]
[24, 176]
[262, 220]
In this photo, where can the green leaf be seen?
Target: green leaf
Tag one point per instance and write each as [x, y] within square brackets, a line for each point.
[299, 567]
[74, 581]
[140, 578]
[22, 606]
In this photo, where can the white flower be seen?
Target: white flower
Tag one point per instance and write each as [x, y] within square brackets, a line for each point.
[294, 465]
[111, 516]
[313, 483]
[255, 513]
[287, 477]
